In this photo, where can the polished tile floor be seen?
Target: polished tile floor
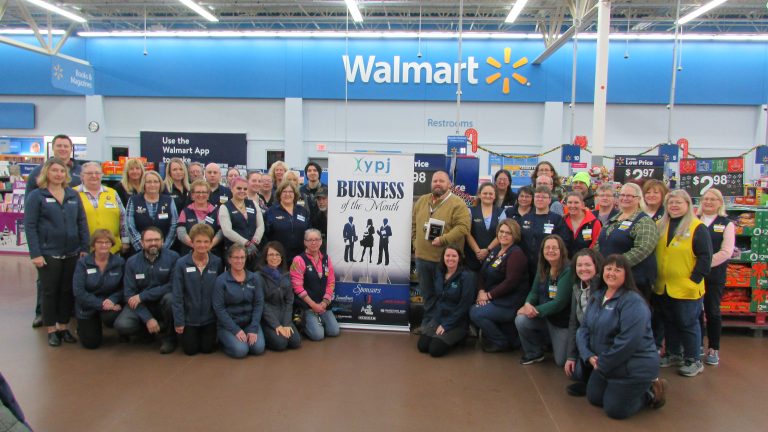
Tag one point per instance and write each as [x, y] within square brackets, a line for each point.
[359, 381]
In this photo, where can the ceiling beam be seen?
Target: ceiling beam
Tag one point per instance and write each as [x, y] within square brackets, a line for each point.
[586, 20]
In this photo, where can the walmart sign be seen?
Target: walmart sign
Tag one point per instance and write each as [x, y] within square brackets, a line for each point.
[396, 71]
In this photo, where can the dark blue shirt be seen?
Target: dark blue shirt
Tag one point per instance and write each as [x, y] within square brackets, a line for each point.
[55, 229]
[193, 291]
[238, 306]
[150, 280]
[91, 286]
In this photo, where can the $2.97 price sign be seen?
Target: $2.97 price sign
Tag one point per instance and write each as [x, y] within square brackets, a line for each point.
[628, 168]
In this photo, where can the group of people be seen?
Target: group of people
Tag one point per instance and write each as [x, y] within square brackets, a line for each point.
[185, 258]
[617, 283]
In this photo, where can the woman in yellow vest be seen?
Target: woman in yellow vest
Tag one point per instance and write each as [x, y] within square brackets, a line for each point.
[103, 207]
[683, 255]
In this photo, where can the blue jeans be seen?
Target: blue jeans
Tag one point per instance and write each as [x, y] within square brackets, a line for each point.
[536, 332]
[619, 399]
[497, 324]
[236, 348]
[317, 327]
[681, 326]
[427, 270]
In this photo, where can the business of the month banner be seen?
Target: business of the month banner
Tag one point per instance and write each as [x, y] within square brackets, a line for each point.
[370, 199]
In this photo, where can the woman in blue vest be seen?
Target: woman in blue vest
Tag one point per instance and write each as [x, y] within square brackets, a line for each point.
[481, 238]
[654, 194]
[684, 257]
[543, 319]
[277, 319]
[199, 211]
[615, 338]
[194, 277]
[722, 232]
[98, 288]
[151, 208]
[523, 206]
[455, 292]
[57, 235]
[502, 288]
[287, 221]
[587, 266]
[242, 222]
[238, 302]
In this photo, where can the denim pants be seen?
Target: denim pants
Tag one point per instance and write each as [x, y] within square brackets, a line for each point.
[618, 398]
[537, 332]
[236, 348]
[497, 323]
[427, 270]
[317, 327]
[128, 322]
[681, 327]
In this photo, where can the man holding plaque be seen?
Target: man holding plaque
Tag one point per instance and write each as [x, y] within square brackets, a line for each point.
[439, 219]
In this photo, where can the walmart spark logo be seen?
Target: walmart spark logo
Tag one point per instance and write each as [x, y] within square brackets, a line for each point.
[517, 77]
[58, 72]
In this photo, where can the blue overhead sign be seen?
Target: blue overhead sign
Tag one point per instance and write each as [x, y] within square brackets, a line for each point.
[71, 76]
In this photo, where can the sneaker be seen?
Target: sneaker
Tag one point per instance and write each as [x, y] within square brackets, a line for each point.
[66, 336]
[37, 322]
[53, 339]
[168, 346]
[659, 390]
[490, 347]
[526, 359]
[577, 389]
[691, 368]
[671, 360]
[713, 357]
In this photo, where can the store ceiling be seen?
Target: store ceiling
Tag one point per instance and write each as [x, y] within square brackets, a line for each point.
[641, 16]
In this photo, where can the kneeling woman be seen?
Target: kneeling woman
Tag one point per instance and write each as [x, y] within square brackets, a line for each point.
[455, 293]
[238, 301]
[279, 331]
[193, 279]
[615, 337]
[98, 289]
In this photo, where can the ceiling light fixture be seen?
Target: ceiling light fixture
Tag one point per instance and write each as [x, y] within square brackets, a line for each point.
[353, 10]
[516, 9]
[199, 9]
[65, 13]
[700, 11]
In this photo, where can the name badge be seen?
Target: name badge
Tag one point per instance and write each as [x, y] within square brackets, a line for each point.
[162, 216]
[719, 228]
[496, 263]
[552, 291]
[50, 200]
[223, 199]
[625, 225]
[587, 234]
[109, 205]
[114, 273]
[190, 269]
[209, 220]
[91, 271]
[249, 210]
[477, 220]
[139, 276]
[211, 271]
[548, 227]
[301, 218]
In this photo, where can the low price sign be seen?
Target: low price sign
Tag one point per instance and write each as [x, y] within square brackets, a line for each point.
[724, 174]
[628, 168]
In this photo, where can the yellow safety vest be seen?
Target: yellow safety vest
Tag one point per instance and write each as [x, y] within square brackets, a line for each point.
[107, 216]
[675, 263]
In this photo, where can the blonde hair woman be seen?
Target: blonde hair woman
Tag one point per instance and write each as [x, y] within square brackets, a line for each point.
[130, 184]
[176, 182]
[684, 257]
[151, 208]
[277, 171]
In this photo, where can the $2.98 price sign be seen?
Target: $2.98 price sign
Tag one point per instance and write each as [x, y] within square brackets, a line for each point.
[730, 184]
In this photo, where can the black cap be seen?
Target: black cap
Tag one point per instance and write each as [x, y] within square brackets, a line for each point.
[322, 192]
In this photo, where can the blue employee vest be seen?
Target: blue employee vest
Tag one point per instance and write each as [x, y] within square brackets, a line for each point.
[717, 274]
[242, 226]
[162, 218]
[621, 241]
[482, 236]
[315, 282]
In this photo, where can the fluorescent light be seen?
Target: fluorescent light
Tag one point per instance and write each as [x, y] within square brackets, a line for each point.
[58, 10]
[199, 9]
[21, 31]
[516, 9]
[354, 11]
[700, 11]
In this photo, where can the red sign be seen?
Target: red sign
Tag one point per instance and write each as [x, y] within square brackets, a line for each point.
[579, 165]
[581, 141]
[471, 135]
[688, 166]
[736, 165]
[683, 143]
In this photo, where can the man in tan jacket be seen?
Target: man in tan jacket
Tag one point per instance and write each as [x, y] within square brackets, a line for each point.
[440, 207]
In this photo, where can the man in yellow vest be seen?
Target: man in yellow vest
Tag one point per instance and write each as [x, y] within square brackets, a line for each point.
[103, 208]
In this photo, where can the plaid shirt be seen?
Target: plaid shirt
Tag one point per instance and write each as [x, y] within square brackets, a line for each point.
[644, 232]
[135, 235]
[94, 200]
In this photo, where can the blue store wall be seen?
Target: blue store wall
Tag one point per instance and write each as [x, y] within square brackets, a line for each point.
[729, 73]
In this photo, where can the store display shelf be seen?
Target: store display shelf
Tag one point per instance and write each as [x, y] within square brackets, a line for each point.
[755, 321]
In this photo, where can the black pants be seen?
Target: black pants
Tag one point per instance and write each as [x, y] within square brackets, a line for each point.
[199, 339]
[349, 252]
[39, 300]
[276, 342]
[56, 282]
[657, 319]
[90, 329]
[384, 251]
[714, 326]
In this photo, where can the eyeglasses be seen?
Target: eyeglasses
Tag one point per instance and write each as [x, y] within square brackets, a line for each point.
[627, 196]
[96, 173]
[287, 191]
[201, 192]
[103, 242]
[505, 233]
[274, 255]
[312, 240]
